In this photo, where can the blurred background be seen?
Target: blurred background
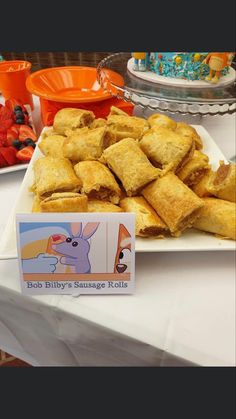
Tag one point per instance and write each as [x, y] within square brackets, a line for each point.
[41, 60]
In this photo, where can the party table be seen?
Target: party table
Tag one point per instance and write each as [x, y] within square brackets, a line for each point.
[182, 313]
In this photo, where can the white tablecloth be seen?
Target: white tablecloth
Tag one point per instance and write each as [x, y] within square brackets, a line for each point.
[183, 310]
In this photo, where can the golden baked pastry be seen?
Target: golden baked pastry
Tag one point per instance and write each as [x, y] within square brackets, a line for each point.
[167, 149]
[202, 187]
[54, 175]
[174, 202]
[87, 145]
[97, 181]
[97, 123]
[194, 170]
[188, 131]
[65, 202]
[36, 204]
[52, 145]
[223, 183]
[116, 111]
[147, 223]
[95, 205]
[125, 126]
[217, 216]
[159, 120]
[130, 165]
[71, 118]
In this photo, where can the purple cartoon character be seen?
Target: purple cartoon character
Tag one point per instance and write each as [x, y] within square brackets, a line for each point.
[75, 249]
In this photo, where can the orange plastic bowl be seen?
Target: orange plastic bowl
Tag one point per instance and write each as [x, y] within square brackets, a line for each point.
[73, 84]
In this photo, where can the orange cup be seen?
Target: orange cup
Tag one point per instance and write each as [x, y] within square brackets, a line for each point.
[13, 75]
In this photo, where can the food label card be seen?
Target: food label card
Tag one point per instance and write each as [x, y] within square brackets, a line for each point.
[83, 253]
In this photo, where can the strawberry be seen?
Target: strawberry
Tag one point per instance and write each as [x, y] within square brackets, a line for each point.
[12, 103]
[5, 113]
[9, 154]
[25, 153]
[26, 132]
[4, 125]
[3, 162]
[3, 139]
[11, 136]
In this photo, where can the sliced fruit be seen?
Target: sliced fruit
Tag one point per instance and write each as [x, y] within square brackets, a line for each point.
[12, 103]
[5, 114]
[3, 139]
[26, 132]
[9, 154]
[3, 162]
[11, 136]
[4, 125]
[25, 154]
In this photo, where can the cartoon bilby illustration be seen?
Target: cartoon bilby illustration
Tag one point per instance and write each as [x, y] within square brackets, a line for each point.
[217, 61]
[75, 248]
[123, 254]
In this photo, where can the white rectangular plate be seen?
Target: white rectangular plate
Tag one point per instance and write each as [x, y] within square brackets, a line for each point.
[191, 240]
[13, 168]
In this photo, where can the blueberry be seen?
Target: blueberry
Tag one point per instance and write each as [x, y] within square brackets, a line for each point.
[19, 114]
[16, 144]
[17, 108]
[29, 141]
[19, 121]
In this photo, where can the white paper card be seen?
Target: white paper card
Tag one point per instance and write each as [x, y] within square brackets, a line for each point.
[83, 253]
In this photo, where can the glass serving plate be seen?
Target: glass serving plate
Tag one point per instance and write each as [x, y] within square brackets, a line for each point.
[218, 100]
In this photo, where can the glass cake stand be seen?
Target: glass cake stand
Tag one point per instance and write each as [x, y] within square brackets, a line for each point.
[218, 100]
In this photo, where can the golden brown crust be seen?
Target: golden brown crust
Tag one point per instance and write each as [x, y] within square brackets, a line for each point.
[130, 165]
[217, 216]
[201, 189]
[174, 202]
[223, 182]
[65, 202]
[186, 130]
[166, 148]
[97, 123]
[36, 204]
[163, 121]
[87, 145]
[125, 126]
[54, 175]
[72, 118]
[147, 223]
[95, 205]
[194, 169]
[52, 145]
[116, 111]
[97, 181]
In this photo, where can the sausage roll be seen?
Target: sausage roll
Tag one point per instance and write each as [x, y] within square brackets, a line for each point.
[194, 169]
[159, 120]
[116, 111]
[217, 216]
[97, 181]
[186, 130]
[167, 149]
[52, 145]
[54, 175]
[97, 123]
[36, 204]
[125, 126]
[147, 223]
[130, 165]
[71, 118]
[174, 202]
[95, 205]
[201, 189]
[65, 202]
[87, 145]
[223, 182]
